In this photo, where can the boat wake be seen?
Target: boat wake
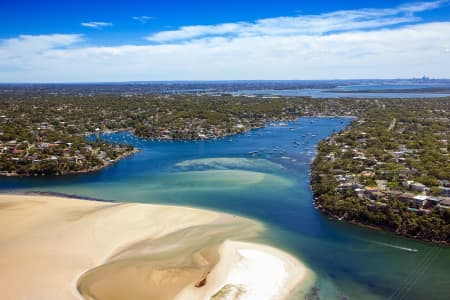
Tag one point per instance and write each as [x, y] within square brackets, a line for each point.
[395, 246]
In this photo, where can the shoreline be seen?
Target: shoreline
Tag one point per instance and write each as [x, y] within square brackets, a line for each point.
[376, 228]
[137, 150]
[91, 248]
[326, 162]
[72, 173]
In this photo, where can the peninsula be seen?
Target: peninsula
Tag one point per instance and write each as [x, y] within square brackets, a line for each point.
[390, 169]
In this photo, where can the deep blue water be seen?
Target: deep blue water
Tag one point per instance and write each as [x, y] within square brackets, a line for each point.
[264, 175]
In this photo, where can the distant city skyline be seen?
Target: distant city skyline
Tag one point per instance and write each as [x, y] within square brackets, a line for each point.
[99, 41]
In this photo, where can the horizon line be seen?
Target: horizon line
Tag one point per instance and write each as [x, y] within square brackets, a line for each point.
[219, 80]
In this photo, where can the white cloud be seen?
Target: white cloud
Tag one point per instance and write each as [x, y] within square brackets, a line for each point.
[39, 42]
[405, 50]
[339, 21]
[96, 25]
[142, 19]
[423, 6]
[17, 53]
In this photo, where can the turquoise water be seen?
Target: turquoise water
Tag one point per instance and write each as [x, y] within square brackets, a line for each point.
[264, 175]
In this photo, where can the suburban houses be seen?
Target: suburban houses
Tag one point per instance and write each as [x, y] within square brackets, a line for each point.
[390, 169]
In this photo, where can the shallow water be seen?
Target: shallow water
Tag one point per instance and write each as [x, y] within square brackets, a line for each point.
[264, 175]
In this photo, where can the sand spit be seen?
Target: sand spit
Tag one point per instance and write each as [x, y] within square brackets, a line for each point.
[248, 271]
[57, 248]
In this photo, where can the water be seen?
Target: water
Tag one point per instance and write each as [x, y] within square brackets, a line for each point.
[264, 175]
[392, 89]
[319, 93]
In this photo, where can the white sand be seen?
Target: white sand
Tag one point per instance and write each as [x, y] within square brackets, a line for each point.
[47, 243]
[248, 271]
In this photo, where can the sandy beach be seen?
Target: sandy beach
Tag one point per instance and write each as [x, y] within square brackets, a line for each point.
[59, 248]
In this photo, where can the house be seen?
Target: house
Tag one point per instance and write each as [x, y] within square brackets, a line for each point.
[392, 194]
[345, 185]
[445, 203]
[377, 195]
[415, 186]
[330, 157]
[432, 202]
[359, 157]
[407, 183]
[338, 171]
[382, 185]
[407, 197]
[419, 201]
[359, 193]
[373, 194]
[397, 154]
[367, 174]
[445, 191]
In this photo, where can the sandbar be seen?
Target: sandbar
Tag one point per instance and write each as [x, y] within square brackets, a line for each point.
[61, 248]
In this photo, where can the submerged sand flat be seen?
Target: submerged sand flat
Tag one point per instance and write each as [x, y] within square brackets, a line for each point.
[223, 163]
[57, 248]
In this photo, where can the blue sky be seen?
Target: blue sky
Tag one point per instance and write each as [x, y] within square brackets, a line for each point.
[47, 17]
[54, 41]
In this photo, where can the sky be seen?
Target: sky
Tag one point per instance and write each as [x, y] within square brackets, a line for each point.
[139, 40]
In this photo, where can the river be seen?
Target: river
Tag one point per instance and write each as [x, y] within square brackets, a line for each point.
[264, 175]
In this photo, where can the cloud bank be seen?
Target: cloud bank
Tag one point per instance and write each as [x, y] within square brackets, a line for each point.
[338, 21]
[369, 43]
